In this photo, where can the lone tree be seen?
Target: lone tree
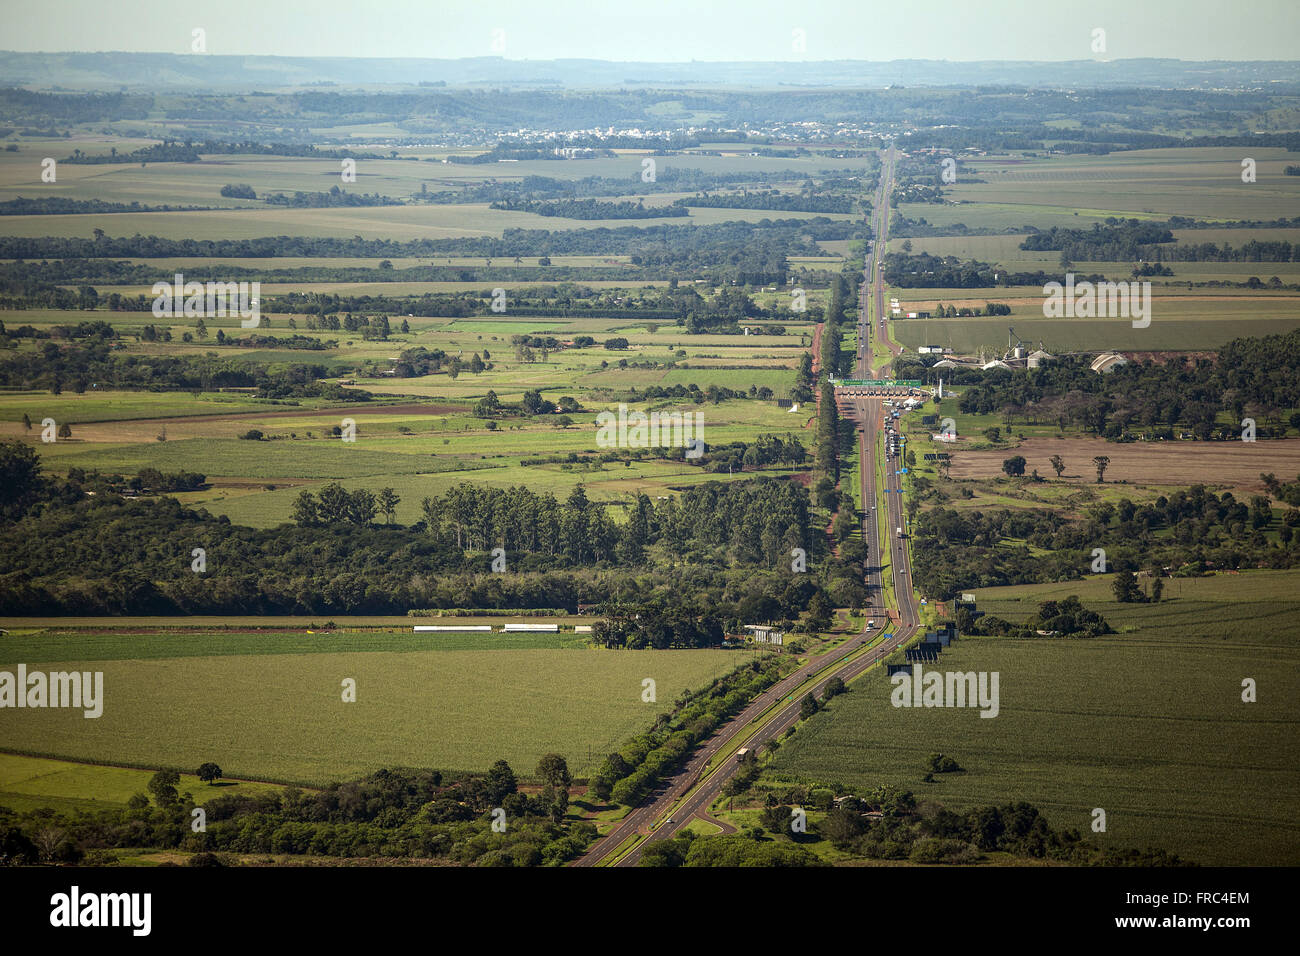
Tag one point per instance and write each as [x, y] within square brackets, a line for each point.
[163, 787]
[1058, 464]
[554, 771]
[819, 614]
[1101, 461]
[209, 773]
[65, 430]
[388, 501]
[1014, 467]
[808, 706]
[1126, 588]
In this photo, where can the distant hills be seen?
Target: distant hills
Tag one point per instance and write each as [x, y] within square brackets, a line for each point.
[196, 72]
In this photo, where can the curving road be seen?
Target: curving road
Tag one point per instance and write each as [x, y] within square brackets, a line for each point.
[691, 791]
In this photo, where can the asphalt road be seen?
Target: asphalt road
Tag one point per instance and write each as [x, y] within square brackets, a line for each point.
[869, 414]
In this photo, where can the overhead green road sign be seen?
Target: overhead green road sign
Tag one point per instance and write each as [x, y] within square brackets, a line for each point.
[877, 382]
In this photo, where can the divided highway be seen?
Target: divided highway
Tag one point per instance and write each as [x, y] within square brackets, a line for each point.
[691, 791]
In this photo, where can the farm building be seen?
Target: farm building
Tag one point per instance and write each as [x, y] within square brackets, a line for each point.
[1040, 357]
[763, 634]
[1108, 362]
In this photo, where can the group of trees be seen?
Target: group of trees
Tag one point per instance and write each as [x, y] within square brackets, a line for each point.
[770, 199]
[748, 253]
[591, 209]
[682, 304]
[51, 368]
[727, 543]
[1115, 241]
[408, 813]
[760, 521]
[1190, 530]
[335, 505]
[900, 830]
[1064, 618]
[940, 835]
[63, 206]
[1251, 376]
[630, 773]
[942, 311]
[331, 198]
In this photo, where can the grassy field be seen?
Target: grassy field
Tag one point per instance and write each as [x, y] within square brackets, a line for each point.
[424, 439]
[1075, 191]
[280, 716]
[1147, 724]
[29, 783]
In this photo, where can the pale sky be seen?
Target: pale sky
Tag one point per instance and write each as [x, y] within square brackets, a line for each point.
[666, 30]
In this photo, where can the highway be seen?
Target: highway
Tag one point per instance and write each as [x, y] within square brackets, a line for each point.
[691, 791]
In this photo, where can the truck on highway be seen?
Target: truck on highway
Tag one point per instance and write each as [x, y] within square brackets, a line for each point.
[900, 532]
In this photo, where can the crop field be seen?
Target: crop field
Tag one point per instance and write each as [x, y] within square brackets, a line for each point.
[200, 183]
[1147, 724]
[281, 716]
[1075, 191]
[107, 405]
[378, 222]
[425, 439]
[53, 639]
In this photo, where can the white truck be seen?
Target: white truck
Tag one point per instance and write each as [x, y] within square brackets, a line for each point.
[900, 532]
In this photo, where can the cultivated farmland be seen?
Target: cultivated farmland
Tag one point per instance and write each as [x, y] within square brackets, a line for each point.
[1148, 724]
[281, 716]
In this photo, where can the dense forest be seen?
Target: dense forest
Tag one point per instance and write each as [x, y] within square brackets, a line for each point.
[731, 540]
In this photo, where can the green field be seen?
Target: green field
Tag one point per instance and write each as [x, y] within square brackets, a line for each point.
[1147, 724]
[280, 716]
[1076, 191]
[187, 637]
[29, 783]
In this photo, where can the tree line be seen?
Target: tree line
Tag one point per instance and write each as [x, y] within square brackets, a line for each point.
[729, 543]
[1189, 532]
[407, 813]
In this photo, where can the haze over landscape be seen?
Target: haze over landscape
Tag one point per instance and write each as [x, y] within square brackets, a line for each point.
[739, 435]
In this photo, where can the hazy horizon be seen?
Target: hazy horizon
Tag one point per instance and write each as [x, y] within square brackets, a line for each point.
[671, 31]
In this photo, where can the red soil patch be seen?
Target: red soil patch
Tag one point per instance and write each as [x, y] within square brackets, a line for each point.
[1236, 464]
